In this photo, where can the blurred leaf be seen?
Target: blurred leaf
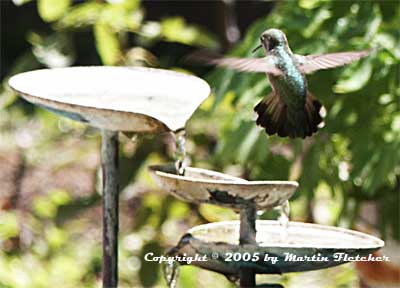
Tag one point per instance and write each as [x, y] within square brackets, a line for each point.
[151, 29]
[119, 18]
[309, 4]
[130, 165]
[8, 225]
[107, 44]
[215, 213]
[82, 15]
[247, 146]
[138, 56]
[319, 19]
[149, 271]
[56, 237]
[51, 10]
[44, 207]
[357, 79]
[20, 2]
[178, 210]
[23, 63]
[175, 29]
[59, 197]
[188, 276]
[380, 166]
[71, 208]
[126, 4]
[53, 51]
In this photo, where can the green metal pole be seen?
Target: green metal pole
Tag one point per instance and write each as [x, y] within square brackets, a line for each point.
[248, 217]
[109, 165]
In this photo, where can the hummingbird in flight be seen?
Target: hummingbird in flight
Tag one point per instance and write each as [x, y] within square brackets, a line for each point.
[290, 110]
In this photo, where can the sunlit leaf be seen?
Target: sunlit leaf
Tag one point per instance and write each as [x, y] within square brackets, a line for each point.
[56, 237]
[51, 10]
[82, 15]
[319, 19]
[215, 213]
[309, 4]
[20, 2]
[107, 44]
[151, 29]
[357, 80]
[59, 197]
[175, 29]
[120, 19]
[44, 207]
[54, 51]
[8, 225]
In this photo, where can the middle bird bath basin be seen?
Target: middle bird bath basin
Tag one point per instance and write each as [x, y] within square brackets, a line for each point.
[206, 186]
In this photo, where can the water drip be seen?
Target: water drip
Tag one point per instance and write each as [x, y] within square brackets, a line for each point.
[180, 151]
[171, 273]
[283, 218]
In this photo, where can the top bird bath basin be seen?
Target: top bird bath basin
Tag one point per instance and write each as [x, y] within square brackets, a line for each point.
[139, 100]
[142, 100]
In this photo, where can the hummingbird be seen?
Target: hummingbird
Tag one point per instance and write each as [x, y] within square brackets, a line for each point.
[290, 110]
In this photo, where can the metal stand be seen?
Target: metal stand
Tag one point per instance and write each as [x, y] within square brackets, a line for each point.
[247, 236]
[109, 165]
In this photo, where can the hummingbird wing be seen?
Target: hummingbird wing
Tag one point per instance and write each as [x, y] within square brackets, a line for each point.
[310, 63]
[263, 65]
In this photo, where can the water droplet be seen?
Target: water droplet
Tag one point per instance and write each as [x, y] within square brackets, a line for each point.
[283, 218]
[180, 151]
[171, 273]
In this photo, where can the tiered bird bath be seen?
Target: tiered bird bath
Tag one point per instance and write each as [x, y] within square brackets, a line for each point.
[143, 100]
[241, 249]
[139, 100]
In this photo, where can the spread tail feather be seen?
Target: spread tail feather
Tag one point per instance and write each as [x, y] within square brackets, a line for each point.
[277, 118]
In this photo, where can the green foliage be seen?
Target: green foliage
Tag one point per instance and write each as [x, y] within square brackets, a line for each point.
[357, 152]
[111, 22]
[353, 159]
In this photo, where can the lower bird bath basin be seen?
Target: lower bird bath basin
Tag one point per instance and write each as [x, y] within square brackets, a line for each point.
[307, 247]
[205, 186]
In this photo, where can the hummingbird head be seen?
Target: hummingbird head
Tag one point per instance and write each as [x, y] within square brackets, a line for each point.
[272, 38]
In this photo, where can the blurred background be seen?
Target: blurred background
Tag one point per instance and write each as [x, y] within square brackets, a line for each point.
[349, 172]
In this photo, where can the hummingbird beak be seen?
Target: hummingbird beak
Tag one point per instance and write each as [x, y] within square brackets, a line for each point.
[255, 49]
